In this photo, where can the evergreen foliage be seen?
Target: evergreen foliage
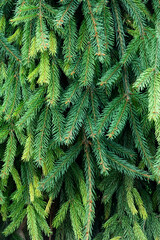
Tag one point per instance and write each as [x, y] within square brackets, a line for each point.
[80, 119]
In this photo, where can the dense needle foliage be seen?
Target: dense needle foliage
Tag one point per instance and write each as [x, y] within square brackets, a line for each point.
[80, 119]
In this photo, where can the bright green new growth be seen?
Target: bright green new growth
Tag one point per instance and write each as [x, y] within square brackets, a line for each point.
[80, 119]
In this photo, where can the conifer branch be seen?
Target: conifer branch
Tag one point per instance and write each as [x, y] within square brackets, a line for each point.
[28, 148]
[44, 69]
[119, 120]
[154, 93]
[74, 125]
[140, 140]
[119, 27]
[120, 150]
[31, 222]
[43, 36]
[87, 64]
[42, 137]
[122, 45]
[91, 130]
[15, 224]
[58, 125]
[136, 13]
[70, 94]
[35, 101]
[97, 39]
[90, 192]
[65, 75]
[9, 156]
[70, 41]
[127, 167]
[143, 80]
[111, 75]
[60, 21]
[24, 18]
[63, 16]
[27, 42]
[108, 23]
[9, 48]
[49, 8]
[61, 166]
[14, 99]
[54, 85]
[107, 114]
[93, 106]
[4, 131]
[99, 150]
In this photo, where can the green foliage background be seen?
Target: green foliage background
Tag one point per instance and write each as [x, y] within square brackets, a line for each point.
[80, 119]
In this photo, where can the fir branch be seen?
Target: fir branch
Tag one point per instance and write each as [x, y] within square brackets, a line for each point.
[122, 45]
[124, 166]
[69, 48]
[143, 80]
[42, 37]
[139, 138]
[89, 171]
[43, 225]
[154, 93]
[134, 9]
[90, 127]
[71, 94]
[75, 218]
[107, 115]
[66, 12]
[85, 54]
[15, 223]
[130, 51]
[110, 77]
[54, 85]
[16, 178]
[14, 98]
[52, 43]
[61, 166]
[28, 148]
[108, 26]
[119, 120]
[60, 216]
[9, 156]
[83, 38]
[154, 96]
[4, 131]
[34, 74]
[138, 231]
[22, 19]
[87, 64]
[120, 150]
[35, 102]
[94, 104]
[74, 121]
[119, 27]
[27, 8]
[42, 136]
[44, 69]
[97, 38]
[32, 223]
[99, 151]
[49, 9]
[58, 125]
[130, 202]
[74, 68]
[10, 50]
[26, 39]
[140, 204]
